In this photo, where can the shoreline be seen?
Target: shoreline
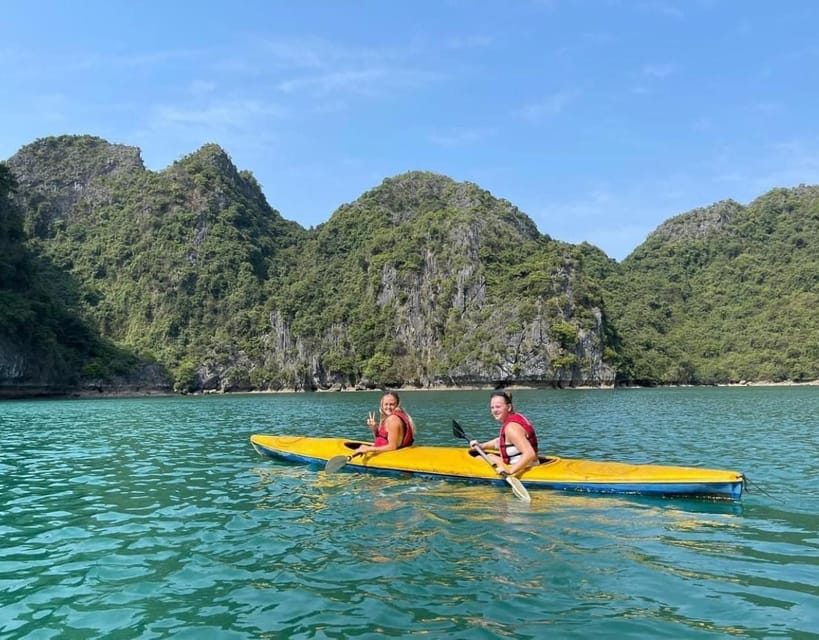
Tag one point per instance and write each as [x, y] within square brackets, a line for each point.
[84, 394]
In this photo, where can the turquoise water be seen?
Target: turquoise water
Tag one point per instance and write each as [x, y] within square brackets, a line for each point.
[155, 518]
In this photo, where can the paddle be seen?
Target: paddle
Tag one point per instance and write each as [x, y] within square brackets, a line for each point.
[336, 462]
[517, 486]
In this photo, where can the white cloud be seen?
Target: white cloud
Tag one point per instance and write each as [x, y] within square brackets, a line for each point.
[361, 81]
[767, 108]
[547, 108]
[297, 54]
[657, 70]
[202, 87]
[218, 114]
[668, 9]
[703, 123]
[468, 42]
[459, 137]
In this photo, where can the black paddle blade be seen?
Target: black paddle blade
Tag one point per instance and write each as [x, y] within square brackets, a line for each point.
[457, 431]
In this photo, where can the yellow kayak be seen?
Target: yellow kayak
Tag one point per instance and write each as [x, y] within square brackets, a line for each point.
[459, 463]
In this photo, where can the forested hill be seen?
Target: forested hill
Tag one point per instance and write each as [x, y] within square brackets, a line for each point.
[427, 281]
[45, 343]
[421, 281]
[726, 293]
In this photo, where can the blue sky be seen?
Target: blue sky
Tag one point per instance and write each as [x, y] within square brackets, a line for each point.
[599, 119]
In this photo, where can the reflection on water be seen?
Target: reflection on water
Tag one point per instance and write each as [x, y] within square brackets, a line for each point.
[156, 518]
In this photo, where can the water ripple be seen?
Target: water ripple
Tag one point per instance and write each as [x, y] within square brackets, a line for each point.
[154, 518]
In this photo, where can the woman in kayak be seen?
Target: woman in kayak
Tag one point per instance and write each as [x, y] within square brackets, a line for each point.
[516, 442]
[396, 429]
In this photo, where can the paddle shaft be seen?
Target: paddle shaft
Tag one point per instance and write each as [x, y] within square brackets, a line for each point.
[336, 462]
[517, 486]
[486, 457]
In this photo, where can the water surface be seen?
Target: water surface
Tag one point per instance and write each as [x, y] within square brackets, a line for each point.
[155, 518]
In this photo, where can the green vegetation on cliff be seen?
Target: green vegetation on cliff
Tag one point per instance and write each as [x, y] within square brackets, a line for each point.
[422, 280]
[172, 265]
[44, 342]
[725, 294]
[425, 279]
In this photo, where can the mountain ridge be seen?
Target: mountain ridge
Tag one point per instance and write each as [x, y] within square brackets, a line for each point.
[421, 281]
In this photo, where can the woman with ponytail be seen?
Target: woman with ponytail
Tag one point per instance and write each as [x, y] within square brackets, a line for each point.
[394, 430]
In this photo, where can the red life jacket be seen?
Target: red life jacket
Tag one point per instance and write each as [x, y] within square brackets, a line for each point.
[509, 452]
[382, 436]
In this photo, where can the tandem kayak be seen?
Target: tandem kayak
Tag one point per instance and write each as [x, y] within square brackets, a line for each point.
[553, 472]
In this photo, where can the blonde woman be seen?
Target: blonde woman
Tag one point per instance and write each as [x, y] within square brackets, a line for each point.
[395, 430]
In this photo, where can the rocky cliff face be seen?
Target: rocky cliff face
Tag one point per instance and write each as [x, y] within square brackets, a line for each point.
[13, 361]
[420, 281]
[698, 223]
[54, 174]
[452, 287]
